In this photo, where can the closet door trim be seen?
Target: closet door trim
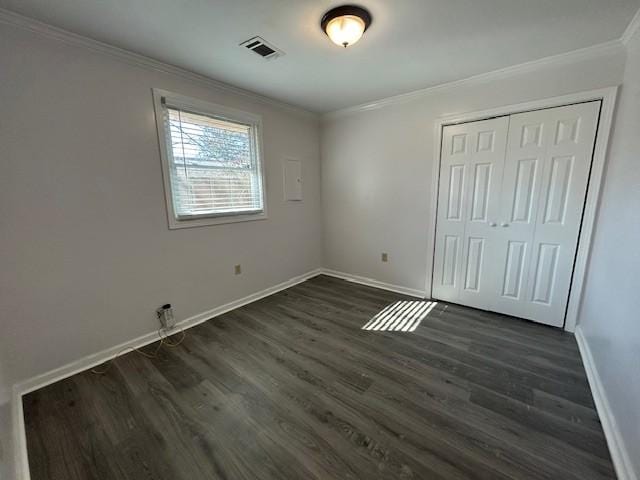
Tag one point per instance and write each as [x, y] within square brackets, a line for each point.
[608, 97]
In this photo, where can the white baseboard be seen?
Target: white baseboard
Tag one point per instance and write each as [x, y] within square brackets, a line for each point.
[619, 453]
[35, 383]
[374, 283]
[20, 458]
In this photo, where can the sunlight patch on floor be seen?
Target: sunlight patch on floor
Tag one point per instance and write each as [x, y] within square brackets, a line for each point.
[401, 316]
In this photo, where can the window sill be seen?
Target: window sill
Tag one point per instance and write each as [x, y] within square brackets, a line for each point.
[175, 224]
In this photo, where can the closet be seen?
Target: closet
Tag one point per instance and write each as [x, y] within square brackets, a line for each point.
[510, 202]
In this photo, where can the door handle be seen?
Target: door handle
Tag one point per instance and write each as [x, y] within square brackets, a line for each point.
[492, 224]
[504, 224]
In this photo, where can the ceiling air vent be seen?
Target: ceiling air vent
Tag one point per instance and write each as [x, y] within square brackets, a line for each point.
[262, 48]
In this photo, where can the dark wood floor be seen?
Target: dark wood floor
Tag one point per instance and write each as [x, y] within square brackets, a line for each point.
[290, 387]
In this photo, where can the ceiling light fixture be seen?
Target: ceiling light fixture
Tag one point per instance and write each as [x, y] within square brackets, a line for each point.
[345, 25]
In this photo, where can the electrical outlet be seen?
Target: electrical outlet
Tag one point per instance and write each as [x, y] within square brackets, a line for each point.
[385, 257]
[237, 269]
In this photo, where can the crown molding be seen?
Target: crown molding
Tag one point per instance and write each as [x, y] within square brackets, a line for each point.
[27, 23]
[573, 56]
[15, 19]
[631, 29]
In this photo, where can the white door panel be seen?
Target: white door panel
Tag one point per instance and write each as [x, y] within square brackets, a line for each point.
[521, 184]
[567, 164]
[514, 262]
[510, 204]
[470, 174]
[546, 174]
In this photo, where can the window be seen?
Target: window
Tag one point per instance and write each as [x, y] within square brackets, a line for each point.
[211, 162]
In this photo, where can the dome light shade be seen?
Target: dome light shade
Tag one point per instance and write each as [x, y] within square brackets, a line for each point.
[345, 25]
[345, 30]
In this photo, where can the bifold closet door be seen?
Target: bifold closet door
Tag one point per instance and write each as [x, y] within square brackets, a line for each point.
[546, 173]
[472, 160]
[510, 204]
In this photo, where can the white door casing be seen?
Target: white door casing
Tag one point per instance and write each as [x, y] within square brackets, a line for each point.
[516, 255]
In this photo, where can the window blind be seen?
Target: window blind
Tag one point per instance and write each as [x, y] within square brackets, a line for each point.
[213, 163]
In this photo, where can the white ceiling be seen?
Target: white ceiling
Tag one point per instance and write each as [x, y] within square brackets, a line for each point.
[412, 44]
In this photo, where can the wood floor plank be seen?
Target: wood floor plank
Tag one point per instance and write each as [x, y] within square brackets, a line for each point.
[292, 387]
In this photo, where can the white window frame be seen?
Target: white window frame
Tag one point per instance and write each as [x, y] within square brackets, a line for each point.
[160, 97]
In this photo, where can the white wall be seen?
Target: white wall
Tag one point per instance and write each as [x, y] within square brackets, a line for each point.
[609, 317]
[377, 164]
[85, 252]
[6, 447]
